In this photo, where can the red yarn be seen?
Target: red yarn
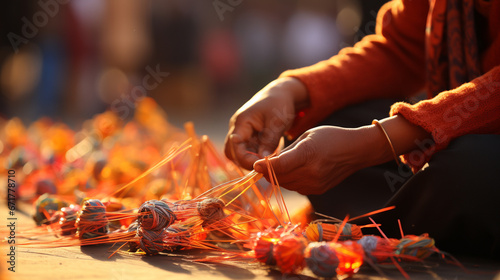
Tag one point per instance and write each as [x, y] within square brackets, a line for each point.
[263, 246]
[289, 253]
[350, 255]
[68, 219]
[376, 248]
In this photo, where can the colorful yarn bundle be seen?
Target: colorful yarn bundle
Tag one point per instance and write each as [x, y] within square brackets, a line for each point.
[175, 238]
[289, 253]
[91, 221]
[211, 210]
[150, 241]
[420, 247]
[318, 231]
[134, 243]
[376, 248]
[155, 215]
[45, 206]
[350, 255]
[68, 218]
[263, 245]
[321, 259]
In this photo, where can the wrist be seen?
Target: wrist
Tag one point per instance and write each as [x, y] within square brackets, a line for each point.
[377, 149]
[296, 89]
[393, 136]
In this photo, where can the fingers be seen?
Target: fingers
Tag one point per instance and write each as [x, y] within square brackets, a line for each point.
[248, 141]
[243, 153]
[239, 132]
[268, 142]
[285, 163]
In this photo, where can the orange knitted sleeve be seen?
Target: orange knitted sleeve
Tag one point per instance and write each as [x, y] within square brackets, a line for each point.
[472, 108]
[387, 64]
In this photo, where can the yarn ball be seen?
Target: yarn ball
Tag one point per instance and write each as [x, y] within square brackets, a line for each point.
[133, 245]
[68, 218]
[175, 238]
[289, 253]
[211, 210]
[263, 246]
[155, 215]
[416, 246]
[350, 231]
[150, 241]
[350, 255]
[318, 231]
[314, 232]
[321, 259]
[91, 221]
[376, 248]
[45, 206]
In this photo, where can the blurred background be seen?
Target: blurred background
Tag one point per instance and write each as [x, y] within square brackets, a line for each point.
[200, 60]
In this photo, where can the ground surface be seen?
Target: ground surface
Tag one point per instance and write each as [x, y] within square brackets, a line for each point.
[93, 263]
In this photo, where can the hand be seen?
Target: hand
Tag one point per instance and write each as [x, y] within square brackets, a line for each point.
[256, 128]
[324, 156]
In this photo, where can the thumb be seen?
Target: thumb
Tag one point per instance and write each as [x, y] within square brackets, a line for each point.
[268, 142]
[282, 164]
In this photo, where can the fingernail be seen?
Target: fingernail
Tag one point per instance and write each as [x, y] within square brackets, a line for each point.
[235, 137]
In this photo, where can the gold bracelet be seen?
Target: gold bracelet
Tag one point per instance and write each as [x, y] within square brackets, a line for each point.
[396, 158]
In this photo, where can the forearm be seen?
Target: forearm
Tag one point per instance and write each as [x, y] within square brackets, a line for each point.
[296, 89]
[472, 108]
[403, 135]
[388, 64]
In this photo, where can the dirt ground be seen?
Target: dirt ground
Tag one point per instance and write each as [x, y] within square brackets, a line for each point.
[94, 263]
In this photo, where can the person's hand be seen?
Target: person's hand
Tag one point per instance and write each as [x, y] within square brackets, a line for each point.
[256, 128]
[324, 156]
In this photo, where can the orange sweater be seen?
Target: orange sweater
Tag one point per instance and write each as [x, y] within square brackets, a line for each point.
[391, 63]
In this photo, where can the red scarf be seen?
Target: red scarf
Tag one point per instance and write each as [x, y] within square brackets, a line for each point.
[451, 45]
